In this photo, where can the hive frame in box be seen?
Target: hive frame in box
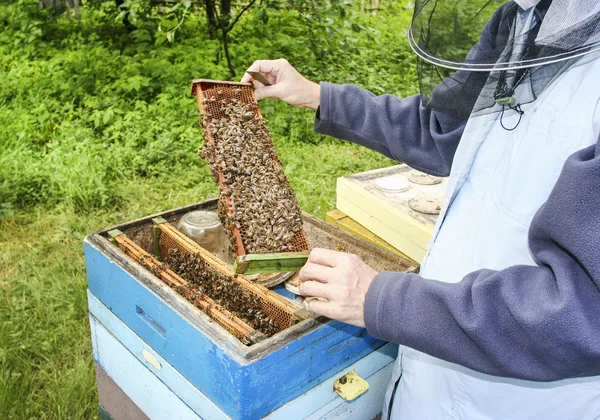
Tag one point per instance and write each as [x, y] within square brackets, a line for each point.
[222, 316]
[246, 263]
[284, 311]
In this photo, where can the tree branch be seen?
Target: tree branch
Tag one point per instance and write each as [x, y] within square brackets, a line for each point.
[239, 15]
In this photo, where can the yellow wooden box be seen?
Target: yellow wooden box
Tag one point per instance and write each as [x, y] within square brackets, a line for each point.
[388, 215]
[340, 219]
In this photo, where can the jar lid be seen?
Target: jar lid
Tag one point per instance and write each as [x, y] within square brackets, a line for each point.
[201, 219]
[392, 184]
[426, 205]
[422, 178]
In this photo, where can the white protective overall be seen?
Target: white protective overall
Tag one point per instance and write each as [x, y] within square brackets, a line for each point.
[498, 181]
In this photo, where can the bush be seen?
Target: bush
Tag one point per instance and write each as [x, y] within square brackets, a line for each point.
[86, 104]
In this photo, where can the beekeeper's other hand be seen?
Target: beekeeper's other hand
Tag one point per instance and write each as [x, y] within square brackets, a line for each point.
[287, 84]
[343, 279]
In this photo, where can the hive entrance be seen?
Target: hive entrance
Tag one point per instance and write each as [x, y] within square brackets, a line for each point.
[257, 206]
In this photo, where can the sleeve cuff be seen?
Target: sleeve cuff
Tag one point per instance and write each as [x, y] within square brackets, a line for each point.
[375, 302]
[323, 115]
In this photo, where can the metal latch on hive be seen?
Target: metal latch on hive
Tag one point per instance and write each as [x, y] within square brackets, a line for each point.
[350, 386]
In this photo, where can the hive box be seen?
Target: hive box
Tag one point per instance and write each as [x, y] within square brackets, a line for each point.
[136, 383]
[244, 382]
[340, 219]
[388, 215]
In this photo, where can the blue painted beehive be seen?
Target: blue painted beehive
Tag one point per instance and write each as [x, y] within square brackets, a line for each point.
[245, 382]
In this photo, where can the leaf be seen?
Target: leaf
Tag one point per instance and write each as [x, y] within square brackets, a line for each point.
[160, 38]
[107, 116]
[168, 24]
[357, 27]
[262, 15]
[136, 83]
[332, 13]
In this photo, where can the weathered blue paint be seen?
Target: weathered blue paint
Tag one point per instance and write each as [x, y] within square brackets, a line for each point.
[104, 415]
[365, 407]
[323, 402]
[243, 388]
[280, 288]
[163, 393]
[143, 386]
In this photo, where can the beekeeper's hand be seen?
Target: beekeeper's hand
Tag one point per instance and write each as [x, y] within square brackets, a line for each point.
[287, 84]
[343, 279]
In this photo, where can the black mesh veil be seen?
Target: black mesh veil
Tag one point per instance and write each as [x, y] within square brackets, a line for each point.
[473, 54]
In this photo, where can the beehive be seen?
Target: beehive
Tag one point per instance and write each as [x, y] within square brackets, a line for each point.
[243, 381]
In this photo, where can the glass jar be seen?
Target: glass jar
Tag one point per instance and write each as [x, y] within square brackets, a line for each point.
[205, 228]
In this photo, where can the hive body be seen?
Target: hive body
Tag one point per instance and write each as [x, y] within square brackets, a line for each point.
[165, 394]
[243, 381]
[390, 215]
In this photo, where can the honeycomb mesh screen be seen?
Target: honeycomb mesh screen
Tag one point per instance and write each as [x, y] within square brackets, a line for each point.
[212, 97]
[171, 238]
[224, 318]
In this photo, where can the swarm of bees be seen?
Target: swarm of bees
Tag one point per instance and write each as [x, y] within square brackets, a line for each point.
[204, 279]
[255, 194]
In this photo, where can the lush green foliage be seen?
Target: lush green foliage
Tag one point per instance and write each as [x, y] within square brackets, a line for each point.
[97, 127]
[86, 104]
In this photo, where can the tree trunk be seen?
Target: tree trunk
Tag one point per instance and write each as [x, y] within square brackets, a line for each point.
[47, 3]
[224, 19]
[211, 17]
[226, 10]
[225, 41]
[375, 7]
[76, 4]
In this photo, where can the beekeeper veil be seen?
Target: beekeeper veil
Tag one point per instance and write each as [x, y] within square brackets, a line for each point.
[474, 54]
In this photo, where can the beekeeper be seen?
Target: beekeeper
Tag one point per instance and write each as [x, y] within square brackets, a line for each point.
[503, 321]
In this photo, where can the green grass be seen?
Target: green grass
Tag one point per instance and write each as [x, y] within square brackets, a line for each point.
[96, 128]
